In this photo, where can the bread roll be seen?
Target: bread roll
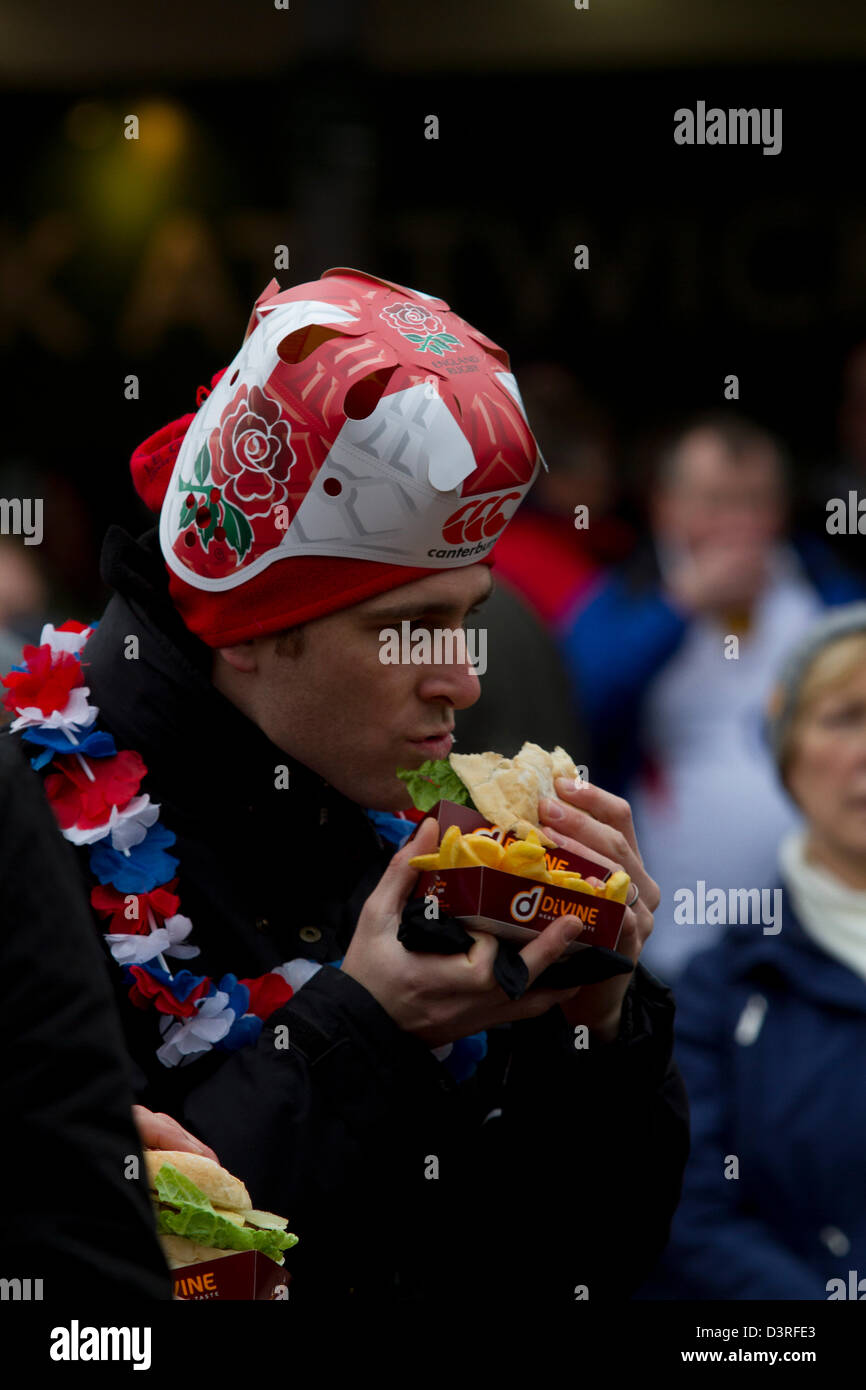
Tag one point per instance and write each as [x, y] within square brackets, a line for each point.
[179, 1251]
[218, 1185]
[507, 790]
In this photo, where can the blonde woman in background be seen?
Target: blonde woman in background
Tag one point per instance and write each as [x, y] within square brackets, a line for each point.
[771, 1028]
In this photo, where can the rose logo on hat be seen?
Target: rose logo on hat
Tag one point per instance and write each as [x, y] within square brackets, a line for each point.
[249, 457]
[251, 453]
[420, 326]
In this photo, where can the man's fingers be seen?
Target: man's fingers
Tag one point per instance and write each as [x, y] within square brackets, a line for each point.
[158, 1131]
[580, 833]
[537, 1002]
[549, 945]
[611, 810]
[482, 952]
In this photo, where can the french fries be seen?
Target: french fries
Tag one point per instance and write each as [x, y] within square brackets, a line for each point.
[523, 857]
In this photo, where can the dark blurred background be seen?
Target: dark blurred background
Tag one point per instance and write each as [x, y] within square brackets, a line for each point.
[305, 127]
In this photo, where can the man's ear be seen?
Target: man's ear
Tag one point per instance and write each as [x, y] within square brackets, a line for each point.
[242, 656]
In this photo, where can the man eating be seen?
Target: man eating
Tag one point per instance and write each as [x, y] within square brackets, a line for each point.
[242, 829]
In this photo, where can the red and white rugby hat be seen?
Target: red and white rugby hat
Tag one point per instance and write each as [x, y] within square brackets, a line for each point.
[363, 436]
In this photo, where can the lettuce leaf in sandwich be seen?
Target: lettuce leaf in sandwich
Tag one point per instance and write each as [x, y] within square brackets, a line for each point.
[435, 780]
[184, 1210]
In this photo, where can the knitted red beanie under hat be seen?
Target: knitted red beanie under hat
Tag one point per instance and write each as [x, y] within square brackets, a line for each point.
[364, 437]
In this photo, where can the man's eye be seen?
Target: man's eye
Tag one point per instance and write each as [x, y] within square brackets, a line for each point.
[848, 714]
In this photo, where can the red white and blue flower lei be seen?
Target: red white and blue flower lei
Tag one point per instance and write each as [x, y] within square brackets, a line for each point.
[95, 794]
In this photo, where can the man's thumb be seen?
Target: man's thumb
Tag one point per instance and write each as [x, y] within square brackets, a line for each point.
[399, 878]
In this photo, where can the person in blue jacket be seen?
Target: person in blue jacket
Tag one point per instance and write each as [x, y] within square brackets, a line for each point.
[771, 1025]
[717, 509]
[674, 658]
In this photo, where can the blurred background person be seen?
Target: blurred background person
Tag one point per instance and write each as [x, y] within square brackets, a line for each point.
[50, 569]
[771, 1029]
[673, 705]
[550, 559]
[23, 596]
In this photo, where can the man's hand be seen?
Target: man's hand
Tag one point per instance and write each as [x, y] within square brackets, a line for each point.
[441, 998]
[730, 573]
[596, 823]
[158, 1131]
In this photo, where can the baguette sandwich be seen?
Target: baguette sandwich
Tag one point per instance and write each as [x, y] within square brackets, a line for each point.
[506, 791]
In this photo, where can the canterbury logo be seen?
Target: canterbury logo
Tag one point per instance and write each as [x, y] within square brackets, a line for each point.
[477, 520]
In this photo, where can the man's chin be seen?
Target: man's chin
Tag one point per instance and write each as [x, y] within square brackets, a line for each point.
[391, 801]
[379, 797]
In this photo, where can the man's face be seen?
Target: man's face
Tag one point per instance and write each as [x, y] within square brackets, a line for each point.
[353, 719]
[714, 498]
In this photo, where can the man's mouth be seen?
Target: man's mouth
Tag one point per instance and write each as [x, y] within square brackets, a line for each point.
[435, 745]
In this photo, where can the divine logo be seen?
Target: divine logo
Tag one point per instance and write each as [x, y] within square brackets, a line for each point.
[737, 126]
[524, 906]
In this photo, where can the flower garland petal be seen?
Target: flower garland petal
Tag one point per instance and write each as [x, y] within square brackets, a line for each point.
[268, 993]
[82, 795]
[170, 994]
[243, 1032]
[131, 948]
[131, 912]
[142, 868]
[75, 713]
[69, 637]
[297, 972]
[44, 686]
[97, 744]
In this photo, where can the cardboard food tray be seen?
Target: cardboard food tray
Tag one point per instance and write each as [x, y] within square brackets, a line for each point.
[510, 905]
[247, 1275]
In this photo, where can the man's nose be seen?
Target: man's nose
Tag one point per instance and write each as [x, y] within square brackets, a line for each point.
[454, 681]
